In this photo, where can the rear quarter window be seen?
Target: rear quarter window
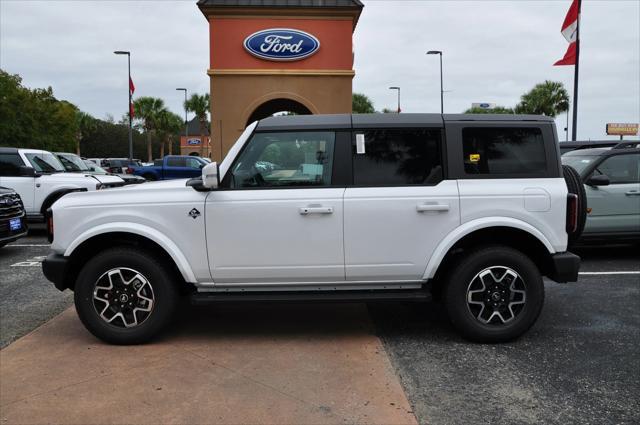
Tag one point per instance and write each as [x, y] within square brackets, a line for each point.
[503, 151]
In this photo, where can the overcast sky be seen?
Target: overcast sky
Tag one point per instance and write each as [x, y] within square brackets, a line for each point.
[493, 52]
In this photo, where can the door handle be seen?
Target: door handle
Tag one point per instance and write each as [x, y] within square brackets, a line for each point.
[633, 193]
[432, 207]
[315, 210]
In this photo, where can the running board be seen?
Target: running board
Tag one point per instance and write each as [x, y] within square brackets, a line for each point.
[310, 296]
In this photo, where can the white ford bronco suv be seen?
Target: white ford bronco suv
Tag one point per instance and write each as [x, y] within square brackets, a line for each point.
[40, 179]
[470, 210]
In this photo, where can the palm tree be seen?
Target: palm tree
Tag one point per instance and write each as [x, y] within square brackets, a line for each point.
[549, 98]
[85, 123]
[147, 110]
[168, 124]
[199, 104]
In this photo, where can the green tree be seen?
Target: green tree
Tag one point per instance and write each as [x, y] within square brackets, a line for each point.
[496, 110]
[146, 111]
[169, 124]
[549, 98]
[361, 104]
[34, 118]
[199, 104]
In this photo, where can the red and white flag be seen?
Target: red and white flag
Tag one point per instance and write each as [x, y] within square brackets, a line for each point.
[570, 32]
[132, 90]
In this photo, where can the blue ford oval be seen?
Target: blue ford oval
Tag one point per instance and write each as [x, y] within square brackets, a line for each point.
[281, 44]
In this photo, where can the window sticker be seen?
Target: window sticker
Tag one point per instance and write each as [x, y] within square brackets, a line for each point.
[474, 157]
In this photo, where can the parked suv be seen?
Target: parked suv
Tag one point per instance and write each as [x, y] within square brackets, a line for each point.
[13, 220]
[40, 180]
[473, 210]
[611, 178]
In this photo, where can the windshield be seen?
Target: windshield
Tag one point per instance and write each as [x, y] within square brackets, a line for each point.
[91, 166]
[72, 162]
[44, 162]
[579, 162]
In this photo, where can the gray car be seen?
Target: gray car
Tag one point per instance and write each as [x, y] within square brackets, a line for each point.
[612, 182]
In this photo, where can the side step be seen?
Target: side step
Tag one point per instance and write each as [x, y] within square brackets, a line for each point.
[311, 296]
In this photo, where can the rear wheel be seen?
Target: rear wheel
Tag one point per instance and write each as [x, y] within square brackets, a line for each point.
[494, 294]
[150, 177]
[575, 186]
[124, 296]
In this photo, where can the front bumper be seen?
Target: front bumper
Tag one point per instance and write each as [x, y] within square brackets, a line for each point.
[7, 235]
[565, 267]
[55, 268]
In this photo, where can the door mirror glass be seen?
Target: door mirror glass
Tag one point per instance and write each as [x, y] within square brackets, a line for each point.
[600, 180]
[210, 176]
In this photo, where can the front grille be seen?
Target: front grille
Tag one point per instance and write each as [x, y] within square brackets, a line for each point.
[14, 209]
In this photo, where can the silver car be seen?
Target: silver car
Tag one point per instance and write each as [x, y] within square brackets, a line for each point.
[612, 183]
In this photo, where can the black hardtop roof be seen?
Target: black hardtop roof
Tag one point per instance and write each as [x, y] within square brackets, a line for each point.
[341, 121]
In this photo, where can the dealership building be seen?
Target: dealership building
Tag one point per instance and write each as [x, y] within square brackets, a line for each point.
[269, 56]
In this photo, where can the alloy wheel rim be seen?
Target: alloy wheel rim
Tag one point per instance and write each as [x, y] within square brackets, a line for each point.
[496, 295]
[123, 297]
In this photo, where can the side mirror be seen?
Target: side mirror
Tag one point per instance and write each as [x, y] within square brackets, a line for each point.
[600, 180]
[25, 171]
[210, 176]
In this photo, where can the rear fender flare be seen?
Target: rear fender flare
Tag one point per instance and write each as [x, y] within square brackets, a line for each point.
[482, 223]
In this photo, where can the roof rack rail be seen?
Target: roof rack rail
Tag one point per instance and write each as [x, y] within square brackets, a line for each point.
[624, 145]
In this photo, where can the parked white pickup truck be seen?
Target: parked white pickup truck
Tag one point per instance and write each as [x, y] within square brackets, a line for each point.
[472, 210]
[40, 179]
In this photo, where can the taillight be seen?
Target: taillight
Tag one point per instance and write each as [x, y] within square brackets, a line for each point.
[572, 213]
[129, 170]
[49, 217]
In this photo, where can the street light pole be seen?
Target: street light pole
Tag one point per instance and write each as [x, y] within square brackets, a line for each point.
[398, 89]
[186, 125]
[438, 52]
[122, 52]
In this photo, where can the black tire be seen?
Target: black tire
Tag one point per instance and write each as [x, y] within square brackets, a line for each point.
[150, 177]
[464, 276]
[3, 244]
[575, 186]
[156, 275]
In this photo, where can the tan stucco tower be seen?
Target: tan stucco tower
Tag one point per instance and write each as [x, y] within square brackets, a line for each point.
[268, 56]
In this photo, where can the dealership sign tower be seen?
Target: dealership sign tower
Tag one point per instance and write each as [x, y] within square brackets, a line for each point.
[269, 56]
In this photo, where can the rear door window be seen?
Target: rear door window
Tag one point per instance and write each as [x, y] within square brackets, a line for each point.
[503, 151]
[397, 157]
[176, 161]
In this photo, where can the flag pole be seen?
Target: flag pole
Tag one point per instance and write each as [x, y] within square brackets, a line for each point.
[574, 130]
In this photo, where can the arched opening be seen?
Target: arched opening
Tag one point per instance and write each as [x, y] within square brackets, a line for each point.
[277, 106]
[194, 154]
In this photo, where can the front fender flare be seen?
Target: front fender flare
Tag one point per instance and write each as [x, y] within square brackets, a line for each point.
[142, 230]
[469, 227]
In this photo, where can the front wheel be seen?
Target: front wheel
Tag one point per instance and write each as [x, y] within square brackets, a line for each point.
[495, 294]
[125, 296]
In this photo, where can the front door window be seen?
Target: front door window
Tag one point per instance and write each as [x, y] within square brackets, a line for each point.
[285, 160]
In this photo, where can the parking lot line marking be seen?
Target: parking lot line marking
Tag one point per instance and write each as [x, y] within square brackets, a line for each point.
[27, 244]
[603, 273]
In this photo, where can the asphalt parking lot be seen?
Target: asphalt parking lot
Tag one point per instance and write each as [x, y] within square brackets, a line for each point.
[580, 363]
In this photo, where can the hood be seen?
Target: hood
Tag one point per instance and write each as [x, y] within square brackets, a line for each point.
[108, 180]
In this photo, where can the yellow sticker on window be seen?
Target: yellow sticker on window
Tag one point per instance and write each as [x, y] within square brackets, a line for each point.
[474, 157]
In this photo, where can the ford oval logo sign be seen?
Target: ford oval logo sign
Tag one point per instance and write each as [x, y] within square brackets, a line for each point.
[192, 142]
[281, 44]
